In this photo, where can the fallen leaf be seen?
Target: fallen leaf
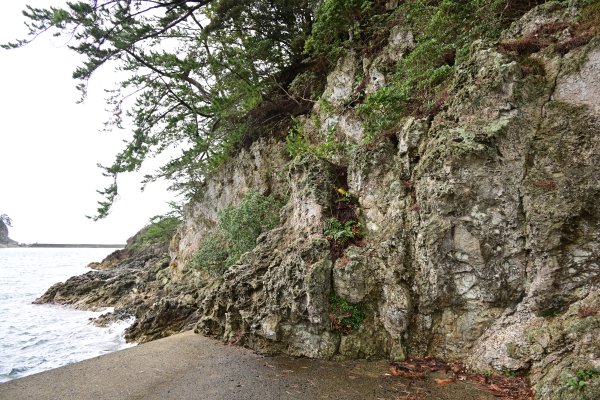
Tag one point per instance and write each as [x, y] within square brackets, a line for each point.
[406, 374]
[444, 381]
[409, 365]
[495, 388]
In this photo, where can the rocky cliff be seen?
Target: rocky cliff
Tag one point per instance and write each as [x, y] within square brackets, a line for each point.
[473, 232]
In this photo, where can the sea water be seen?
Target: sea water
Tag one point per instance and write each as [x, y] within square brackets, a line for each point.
[38, 337]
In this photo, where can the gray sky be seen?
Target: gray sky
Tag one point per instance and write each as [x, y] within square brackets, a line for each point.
[49, 146]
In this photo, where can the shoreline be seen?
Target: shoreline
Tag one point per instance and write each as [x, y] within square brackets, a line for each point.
[191, 366]
[66, 246]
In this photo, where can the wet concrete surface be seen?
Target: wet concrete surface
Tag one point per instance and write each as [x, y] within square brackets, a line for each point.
[189, 366]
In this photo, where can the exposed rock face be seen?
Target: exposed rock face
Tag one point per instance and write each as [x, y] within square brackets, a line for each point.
[260, 169]
[483, 226]
[151, 283]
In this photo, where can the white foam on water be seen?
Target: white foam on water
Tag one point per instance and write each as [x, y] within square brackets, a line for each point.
[39, 337]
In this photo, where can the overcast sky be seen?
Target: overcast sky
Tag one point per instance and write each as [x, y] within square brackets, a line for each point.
[50, 146]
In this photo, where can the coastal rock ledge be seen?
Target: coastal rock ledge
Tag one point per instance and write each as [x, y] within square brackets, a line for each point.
[480, 226]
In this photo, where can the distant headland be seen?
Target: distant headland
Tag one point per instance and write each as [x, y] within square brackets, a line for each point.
[5, 241]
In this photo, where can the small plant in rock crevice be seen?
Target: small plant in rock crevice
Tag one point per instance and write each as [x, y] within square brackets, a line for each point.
[342, 233]
[343, 228]
[582, 378]
[347, 197]
[298, 141]
[549, 312]
[345, 317]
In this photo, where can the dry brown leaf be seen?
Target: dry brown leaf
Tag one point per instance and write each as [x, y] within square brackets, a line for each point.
[407, 374]
[495, 387]
[444, 381]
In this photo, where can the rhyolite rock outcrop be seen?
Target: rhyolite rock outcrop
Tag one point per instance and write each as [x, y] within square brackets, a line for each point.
[482, 225]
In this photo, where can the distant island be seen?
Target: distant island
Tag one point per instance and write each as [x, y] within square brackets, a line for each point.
[6, 241]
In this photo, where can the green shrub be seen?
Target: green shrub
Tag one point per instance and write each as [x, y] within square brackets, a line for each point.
[446, 28]
[338, 22]
[236, 232]
[382, 109]
[243, 224]
[298, 142]
[159, 231]
[212, 255]
[345, 317]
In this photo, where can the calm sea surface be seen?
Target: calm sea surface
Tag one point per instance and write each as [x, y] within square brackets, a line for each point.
[35, 338]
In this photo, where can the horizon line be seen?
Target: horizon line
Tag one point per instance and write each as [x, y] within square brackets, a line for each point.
[111, 245]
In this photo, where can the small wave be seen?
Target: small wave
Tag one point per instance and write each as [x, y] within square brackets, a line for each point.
[36, 343]
[17, 371]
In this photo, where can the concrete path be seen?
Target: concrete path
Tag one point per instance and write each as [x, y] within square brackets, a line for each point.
[189, 366]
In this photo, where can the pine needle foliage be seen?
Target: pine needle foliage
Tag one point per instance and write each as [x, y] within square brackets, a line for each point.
[208, 77]
[192, 72]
